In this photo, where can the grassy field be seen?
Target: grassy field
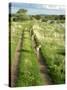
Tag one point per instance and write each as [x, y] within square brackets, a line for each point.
[28, 69]
[51, 38]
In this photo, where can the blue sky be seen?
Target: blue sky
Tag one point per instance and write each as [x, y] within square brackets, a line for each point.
[34, 9]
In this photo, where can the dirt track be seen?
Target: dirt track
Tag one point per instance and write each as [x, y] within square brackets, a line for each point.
[42, 66]
[43, 69]
[14, 66]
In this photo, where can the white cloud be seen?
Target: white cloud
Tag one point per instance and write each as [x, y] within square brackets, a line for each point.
[57, 7]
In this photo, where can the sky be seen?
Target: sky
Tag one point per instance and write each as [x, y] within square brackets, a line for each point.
[34, 9]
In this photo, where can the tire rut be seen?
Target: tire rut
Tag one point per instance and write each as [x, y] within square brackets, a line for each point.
[43, 69]
[42, 66]
[14, 65]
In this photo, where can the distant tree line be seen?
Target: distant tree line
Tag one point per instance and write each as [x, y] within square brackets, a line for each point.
[45, 18]
[22, 15]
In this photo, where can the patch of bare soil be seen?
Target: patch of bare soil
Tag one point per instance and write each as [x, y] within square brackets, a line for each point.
[14, 65]
[43, 69]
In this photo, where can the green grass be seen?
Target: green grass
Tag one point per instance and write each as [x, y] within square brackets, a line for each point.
[16, 30]
[28, 71]
[51, 38]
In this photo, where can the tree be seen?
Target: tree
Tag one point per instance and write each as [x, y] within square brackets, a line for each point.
[22, 11]
[21, 15]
